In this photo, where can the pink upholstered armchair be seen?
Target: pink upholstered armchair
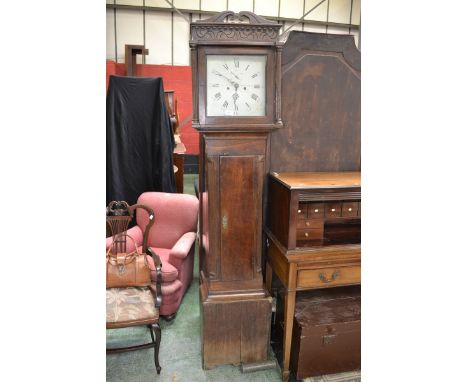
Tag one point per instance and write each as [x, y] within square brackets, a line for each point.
[172, 237]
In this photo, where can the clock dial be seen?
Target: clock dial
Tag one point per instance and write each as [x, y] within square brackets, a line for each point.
[235, 85]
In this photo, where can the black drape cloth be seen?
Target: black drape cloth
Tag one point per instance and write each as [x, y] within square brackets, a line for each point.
[139, 139]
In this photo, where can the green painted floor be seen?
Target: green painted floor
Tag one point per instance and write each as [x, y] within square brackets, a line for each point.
[180, 352]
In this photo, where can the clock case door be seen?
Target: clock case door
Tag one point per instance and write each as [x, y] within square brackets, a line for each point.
[232, 177]
[225, 121]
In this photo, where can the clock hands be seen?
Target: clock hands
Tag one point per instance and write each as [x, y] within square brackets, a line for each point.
[235, 96]
[227, 78]
[234, 75]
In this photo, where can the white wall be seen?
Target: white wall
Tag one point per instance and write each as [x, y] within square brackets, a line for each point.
[166, 34]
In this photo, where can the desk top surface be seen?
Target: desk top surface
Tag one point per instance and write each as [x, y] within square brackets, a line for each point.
[294, 180]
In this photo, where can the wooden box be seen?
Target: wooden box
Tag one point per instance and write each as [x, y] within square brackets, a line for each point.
[327, 332]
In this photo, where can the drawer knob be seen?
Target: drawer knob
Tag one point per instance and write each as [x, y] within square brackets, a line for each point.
[316, 210]
[350, 209]
[307, 224]
[325, 279]
[299, 211]
[306, 234]
[333, 210]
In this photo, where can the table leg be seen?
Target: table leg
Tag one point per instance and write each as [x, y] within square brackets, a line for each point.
[289, 307]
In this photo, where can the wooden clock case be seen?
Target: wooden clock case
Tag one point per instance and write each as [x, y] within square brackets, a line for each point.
[234, 159]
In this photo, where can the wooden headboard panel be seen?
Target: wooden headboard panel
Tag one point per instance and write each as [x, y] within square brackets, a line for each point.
[321, 105]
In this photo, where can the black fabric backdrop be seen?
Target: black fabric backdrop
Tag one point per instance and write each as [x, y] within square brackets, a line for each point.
[139, 139]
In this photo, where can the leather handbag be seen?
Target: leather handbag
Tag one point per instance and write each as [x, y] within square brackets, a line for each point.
[126, 269]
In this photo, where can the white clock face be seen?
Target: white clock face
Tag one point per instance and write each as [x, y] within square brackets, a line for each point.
[235, 85]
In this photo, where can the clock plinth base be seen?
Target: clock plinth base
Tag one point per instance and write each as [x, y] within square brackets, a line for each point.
[235, 330]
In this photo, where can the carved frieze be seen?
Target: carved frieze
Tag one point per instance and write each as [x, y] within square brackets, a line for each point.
[232, 27]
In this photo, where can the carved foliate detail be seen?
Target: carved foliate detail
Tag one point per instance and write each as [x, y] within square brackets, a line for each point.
[241, 17]
[231, 27]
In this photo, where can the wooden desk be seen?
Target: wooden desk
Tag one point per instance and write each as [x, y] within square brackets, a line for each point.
[313, 236]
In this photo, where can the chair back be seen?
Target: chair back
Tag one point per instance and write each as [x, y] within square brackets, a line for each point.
[118, 216]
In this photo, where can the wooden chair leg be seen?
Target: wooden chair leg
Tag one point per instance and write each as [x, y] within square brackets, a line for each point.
[156, 329]
[152, 334]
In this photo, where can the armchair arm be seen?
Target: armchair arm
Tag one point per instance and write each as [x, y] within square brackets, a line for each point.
[182, 247]
[158, 266]
[134, 232]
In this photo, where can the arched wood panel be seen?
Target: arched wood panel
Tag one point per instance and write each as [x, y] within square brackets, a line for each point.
[321, 105]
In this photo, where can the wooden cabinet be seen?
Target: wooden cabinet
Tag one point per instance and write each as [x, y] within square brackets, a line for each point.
[313, 230]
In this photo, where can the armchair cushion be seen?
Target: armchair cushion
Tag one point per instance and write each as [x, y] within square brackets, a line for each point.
[130, 306]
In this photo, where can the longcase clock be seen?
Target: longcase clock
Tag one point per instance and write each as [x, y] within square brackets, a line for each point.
[236, 61]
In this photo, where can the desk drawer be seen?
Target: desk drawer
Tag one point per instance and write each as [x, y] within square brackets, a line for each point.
[302, 211]
[333, 210]
[350, 209]
[310, 224]
[326, 277]
[309, 234]
[315, 211]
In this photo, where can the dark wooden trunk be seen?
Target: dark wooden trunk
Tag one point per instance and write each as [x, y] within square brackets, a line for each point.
[327, 332]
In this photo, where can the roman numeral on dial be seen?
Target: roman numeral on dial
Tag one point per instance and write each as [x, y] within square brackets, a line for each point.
[225, 104]
[254, 96]
[217, 96]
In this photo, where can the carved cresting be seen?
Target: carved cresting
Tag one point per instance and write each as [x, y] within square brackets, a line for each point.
[228, 27]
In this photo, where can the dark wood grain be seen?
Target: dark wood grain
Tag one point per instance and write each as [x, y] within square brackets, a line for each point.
[239, 216]
[321, 104]
[323, 208]
[321, 249]
[326, 336]
[233, 164]
[255, 336]
[221, 334]
[234, 330]
[278, 216]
